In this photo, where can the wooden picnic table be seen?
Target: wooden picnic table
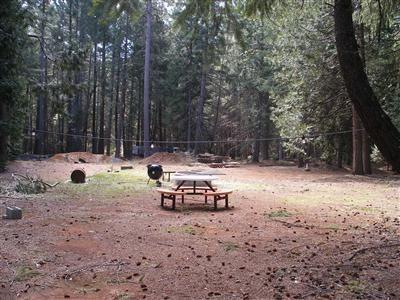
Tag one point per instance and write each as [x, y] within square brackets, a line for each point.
[169, 174]
[194, 180]
[194, 184]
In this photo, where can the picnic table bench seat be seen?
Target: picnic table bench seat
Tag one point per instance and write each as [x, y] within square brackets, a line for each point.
[170, 194]
[188, 188]
[217, 196]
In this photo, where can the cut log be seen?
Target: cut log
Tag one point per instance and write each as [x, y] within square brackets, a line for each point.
[78, 176]
[126, 168]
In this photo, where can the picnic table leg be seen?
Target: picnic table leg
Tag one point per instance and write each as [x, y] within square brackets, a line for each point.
[215, 202]
[226, 201]
[162, 200]
[194, 187]
[210, 186]
[169, 177]
[205, 196]
[173, 202]
[179, 185]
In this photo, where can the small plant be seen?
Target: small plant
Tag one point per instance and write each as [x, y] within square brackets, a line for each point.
[279, 214]
[24, 273]
[184, 229]
[355, 286]
[123, 296]
[229, 246]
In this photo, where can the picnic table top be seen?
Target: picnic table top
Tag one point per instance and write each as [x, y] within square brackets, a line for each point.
[193, 177]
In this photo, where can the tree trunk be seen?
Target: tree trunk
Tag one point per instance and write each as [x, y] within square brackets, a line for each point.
[357, 144]
[376, 122]
[339, 153]
[147, 62]
[110, 103]
[3, 137]
[265, 125]
[121, 123]
[100, 147]
[366, 153]
[41, 107]
[128, 145]
[94, 129]
[189, 100]
[117, 109]
[87, 103]
[74, 140]
[200, 110]
[139, 116]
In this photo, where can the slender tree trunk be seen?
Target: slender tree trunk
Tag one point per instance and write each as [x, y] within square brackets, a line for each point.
[41, 108]
[339, 152]
[121, 125]
[265, 126]
[217, 109]
[366, 153]
[189, 118]
[117, 109]
[147, 66]
[110, 103]
[128, 145]
[200, 110]
[100, 146]
[139, 115]
[376, 122]
[357, 145]
[87, 103]
[73, 139]
[189, 99]
[94, 128]
[3, 137]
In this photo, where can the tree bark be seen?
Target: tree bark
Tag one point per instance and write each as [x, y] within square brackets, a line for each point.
[147, 66]
[376, 122]
[87, 104]
[111, 101]
[189, 100]
[357, 145]
[339, 152]
[41, 107]
[94, 128]
[128, 145]
[121, 123]
[3, 137]
[74, 141]
[100, 147]
[117, 109]
[265, 125]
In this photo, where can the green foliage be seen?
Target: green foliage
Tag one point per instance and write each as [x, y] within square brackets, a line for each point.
[12, 43]
[24, 273]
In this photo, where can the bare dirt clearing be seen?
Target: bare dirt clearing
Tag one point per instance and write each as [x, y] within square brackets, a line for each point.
[288, 234]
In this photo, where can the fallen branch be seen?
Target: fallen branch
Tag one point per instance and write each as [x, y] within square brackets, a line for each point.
[68, 276]
[363, 250]
[300, 225]
[288, 224]
[31, 185]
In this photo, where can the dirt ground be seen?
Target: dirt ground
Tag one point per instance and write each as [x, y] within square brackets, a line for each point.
[287, 234]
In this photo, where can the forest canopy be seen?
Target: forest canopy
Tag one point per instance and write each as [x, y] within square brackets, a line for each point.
[270, 79]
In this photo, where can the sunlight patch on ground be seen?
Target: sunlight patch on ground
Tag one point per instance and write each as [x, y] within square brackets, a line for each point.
[107, 184]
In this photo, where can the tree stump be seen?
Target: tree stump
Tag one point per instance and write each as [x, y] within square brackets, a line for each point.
[78, 176]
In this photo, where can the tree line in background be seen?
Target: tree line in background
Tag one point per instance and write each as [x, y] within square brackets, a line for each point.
[105, 76]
